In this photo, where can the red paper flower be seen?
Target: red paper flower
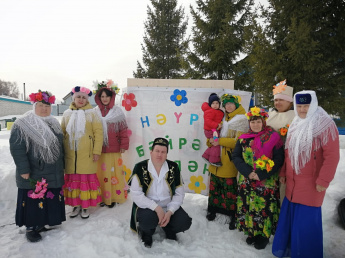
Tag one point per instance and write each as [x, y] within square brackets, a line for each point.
[39, 96]
[129, 101]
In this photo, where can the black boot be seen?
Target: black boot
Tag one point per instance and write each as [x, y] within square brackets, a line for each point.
[251, 239]
[210, 216]
[170, 234]
[232, 224]
[33, 236]
[112, 205]
[146, 238]
[261, 242]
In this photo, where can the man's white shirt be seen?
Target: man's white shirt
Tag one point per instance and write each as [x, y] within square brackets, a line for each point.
[158, 193]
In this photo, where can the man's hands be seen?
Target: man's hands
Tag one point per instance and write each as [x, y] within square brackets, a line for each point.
[163, 217]
[166, 219]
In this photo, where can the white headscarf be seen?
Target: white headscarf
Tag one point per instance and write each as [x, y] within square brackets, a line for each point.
[310, 132]
[38, 134]
[116, 117]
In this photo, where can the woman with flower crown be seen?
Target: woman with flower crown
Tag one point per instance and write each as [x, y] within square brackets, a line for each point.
[83, 139]
[281, 116]
[223, 180]
[258, 156]
[311, 159]
[115, 142]
[36, 147]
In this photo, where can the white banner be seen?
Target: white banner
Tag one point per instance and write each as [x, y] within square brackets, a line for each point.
[175, 114]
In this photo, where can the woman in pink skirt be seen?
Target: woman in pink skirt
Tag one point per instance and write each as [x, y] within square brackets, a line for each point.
[83, 139]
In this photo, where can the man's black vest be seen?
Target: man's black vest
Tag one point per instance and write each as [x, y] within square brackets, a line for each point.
[140, 170]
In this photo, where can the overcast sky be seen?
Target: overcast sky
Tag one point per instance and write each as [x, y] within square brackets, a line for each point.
[58, 44]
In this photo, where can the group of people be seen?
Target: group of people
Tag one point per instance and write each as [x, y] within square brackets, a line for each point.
[252, 156]
[273, 170]
[76, 163]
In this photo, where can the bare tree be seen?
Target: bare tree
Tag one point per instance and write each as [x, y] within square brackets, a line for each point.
[9, 89]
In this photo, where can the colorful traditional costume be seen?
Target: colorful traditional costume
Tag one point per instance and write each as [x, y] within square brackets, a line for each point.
[258, 200]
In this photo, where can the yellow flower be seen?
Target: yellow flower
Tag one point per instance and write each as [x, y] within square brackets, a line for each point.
[271, 163]
[40, 205]
[255, 111]
[260, 163]
[196, 184]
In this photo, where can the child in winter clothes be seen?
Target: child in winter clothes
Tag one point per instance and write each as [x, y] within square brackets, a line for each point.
[213, 117]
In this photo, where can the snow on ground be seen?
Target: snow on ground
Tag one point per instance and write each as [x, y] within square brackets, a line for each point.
[107, 234]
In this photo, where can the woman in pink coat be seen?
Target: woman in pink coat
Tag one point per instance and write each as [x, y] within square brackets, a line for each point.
[109, 172]
[311, 159]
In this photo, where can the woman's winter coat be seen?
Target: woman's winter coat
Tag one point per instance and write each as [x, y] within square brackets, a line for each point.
[319, 170]
[80, 160]
[228, 169]
[26, 163]
[117, 135]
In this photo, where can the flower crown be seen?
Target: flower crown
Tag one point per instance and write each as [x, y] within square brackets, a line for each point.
[82, 90]
[256, 111]
[109, 84]
[279, 87]
[42, 96]
[228, 97]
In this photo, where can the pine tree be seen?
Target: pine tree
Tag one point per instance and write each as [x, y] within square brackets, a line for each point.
[164, 46]
[304, 43]
[218, 39]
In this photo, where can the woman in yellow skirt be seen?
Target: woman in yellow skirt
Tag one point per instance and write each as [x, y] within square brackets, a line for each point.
[115, 142]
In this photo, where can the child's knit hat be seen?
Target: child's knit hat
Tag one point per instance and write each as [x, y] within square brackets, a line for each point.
[213, 97]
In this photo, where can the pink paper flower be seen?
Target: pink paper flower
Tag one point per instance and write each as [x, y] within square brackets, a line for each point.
[40, 189]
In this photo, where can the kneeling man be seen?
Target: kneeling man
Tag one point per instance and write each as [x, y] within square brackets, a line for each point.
[156, 188]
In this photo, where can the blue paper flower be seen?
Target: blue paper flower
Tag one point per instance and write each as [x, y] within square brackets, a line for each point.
[179, 97]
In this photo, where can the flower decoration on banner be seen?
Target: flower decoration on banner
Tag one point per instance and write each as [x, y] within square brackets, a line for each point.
[279, 87]
[42, 96]
[196, 184]
[256, 111]
[264, 163]
[40, 188]
[179, 97]
[283, 131]
[129, 101]
[106, 84]
[127, 172]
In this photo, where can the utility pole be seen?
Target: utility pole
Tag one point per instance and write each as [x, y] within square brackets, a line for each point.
[24, 91]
